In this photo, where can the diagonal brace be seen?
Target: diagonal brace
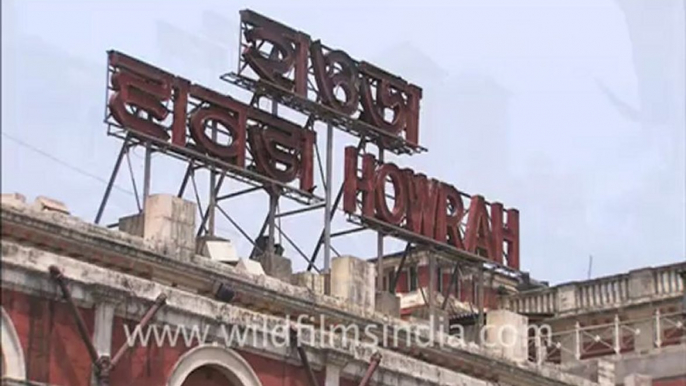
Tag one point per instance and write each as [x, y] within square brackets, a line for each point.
[303, 357]
[373, 364]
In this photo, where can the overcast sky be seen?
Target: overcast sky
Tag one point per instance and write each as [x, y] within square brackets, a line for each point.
[572, 111]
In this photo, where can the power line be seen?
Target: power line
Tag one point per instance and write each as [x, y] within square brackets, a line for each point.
[63, 163]
[76, 169]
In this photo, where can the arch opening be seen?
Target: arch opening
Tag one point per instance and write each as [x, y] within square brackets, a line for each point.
[11, 355]
[212, 365]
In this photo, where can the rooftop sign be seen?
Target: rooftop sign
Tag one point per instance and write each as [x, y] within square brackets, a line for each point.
[212, 130]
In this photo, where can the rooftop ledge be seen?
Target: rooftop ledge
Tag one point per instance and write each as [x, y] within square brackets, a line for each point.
[91, 248]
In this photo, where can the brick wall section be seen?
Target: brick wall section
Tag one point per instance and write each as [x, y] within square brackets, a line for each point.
[53, 350]
[142, 366]
[466, 286]
[55, 354]
[276, 373]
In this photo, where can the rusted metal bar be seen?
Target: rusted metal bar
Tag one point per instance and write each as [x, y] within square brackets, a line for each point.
[113, 177]
[375, 361]
[57, 275]
[159, 302]
[303, 357]
[453, 280]
[394, 281]
[330, 215]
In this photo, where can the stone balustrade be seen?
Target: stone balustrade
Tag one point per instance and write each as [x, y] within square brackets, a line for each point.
[602, 293]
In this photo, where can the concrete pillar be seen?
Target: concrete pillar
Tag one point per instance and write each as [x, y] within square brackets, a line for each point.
[102, 331]
[506, 334]
[352, 279]
[310, 280]
[333, 367]
[276, 266]
[170, 220]
[637, 380]
[566, 298]
[644, 340]
[641, 283]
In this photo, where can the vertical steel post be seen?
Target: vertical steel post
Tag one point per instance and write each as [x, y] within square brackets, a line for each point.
[328, 208]
[213, 182]
[379, 243]
[273, 198]
[272, 201]
[146, 175]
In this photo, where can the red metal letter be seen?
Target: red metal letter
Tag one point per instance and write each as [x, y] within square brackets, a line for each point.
[352, 184]
[505, 233]
[423, 194]
[181, 88]
[399, 182]
[145, 87]
[392, 93]
[449, 216]
[478, 235]
[281, 149]
[289, 51]
[328, 79]
[223, 110]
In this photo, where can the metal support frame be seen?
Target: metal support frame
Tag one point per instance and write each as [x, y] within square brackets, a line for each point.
[480, 299]
[394, 280]
[453, 280]
[379, 243]
[432, 286]
[303, 357]
[271, 221]
[160, 302]
[213, 197]
[373, 364]
[113, 177]
[329, 218]
[102, 364]
[58, 277]
[327, 195]
[147, 172]
[206, 214]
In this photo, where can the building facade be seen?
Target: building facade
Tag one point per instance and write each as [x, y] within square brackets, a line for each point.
[114, 281]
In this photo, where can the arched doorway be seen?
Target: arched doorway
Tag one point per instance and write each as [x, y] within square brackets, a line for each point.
[211, 365]
[12, 356]
[207, 376]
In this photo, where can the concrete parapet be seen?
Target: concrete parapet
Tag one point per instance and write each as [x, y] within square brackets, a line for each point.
[13, 199]
[276, 266]
[352, 279]
[388, 304]
[310, 280]
[170, 220]
[46, 204]
[641, 283]
[250, 266]
[132, 225]
[506, 334]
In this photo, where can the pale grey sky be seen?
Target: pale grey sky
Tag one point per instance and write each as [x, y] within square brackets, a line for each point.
[573, 111]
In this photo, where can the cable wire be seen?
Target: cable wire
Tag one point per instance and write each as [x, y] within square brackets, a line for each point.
[63, 163]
